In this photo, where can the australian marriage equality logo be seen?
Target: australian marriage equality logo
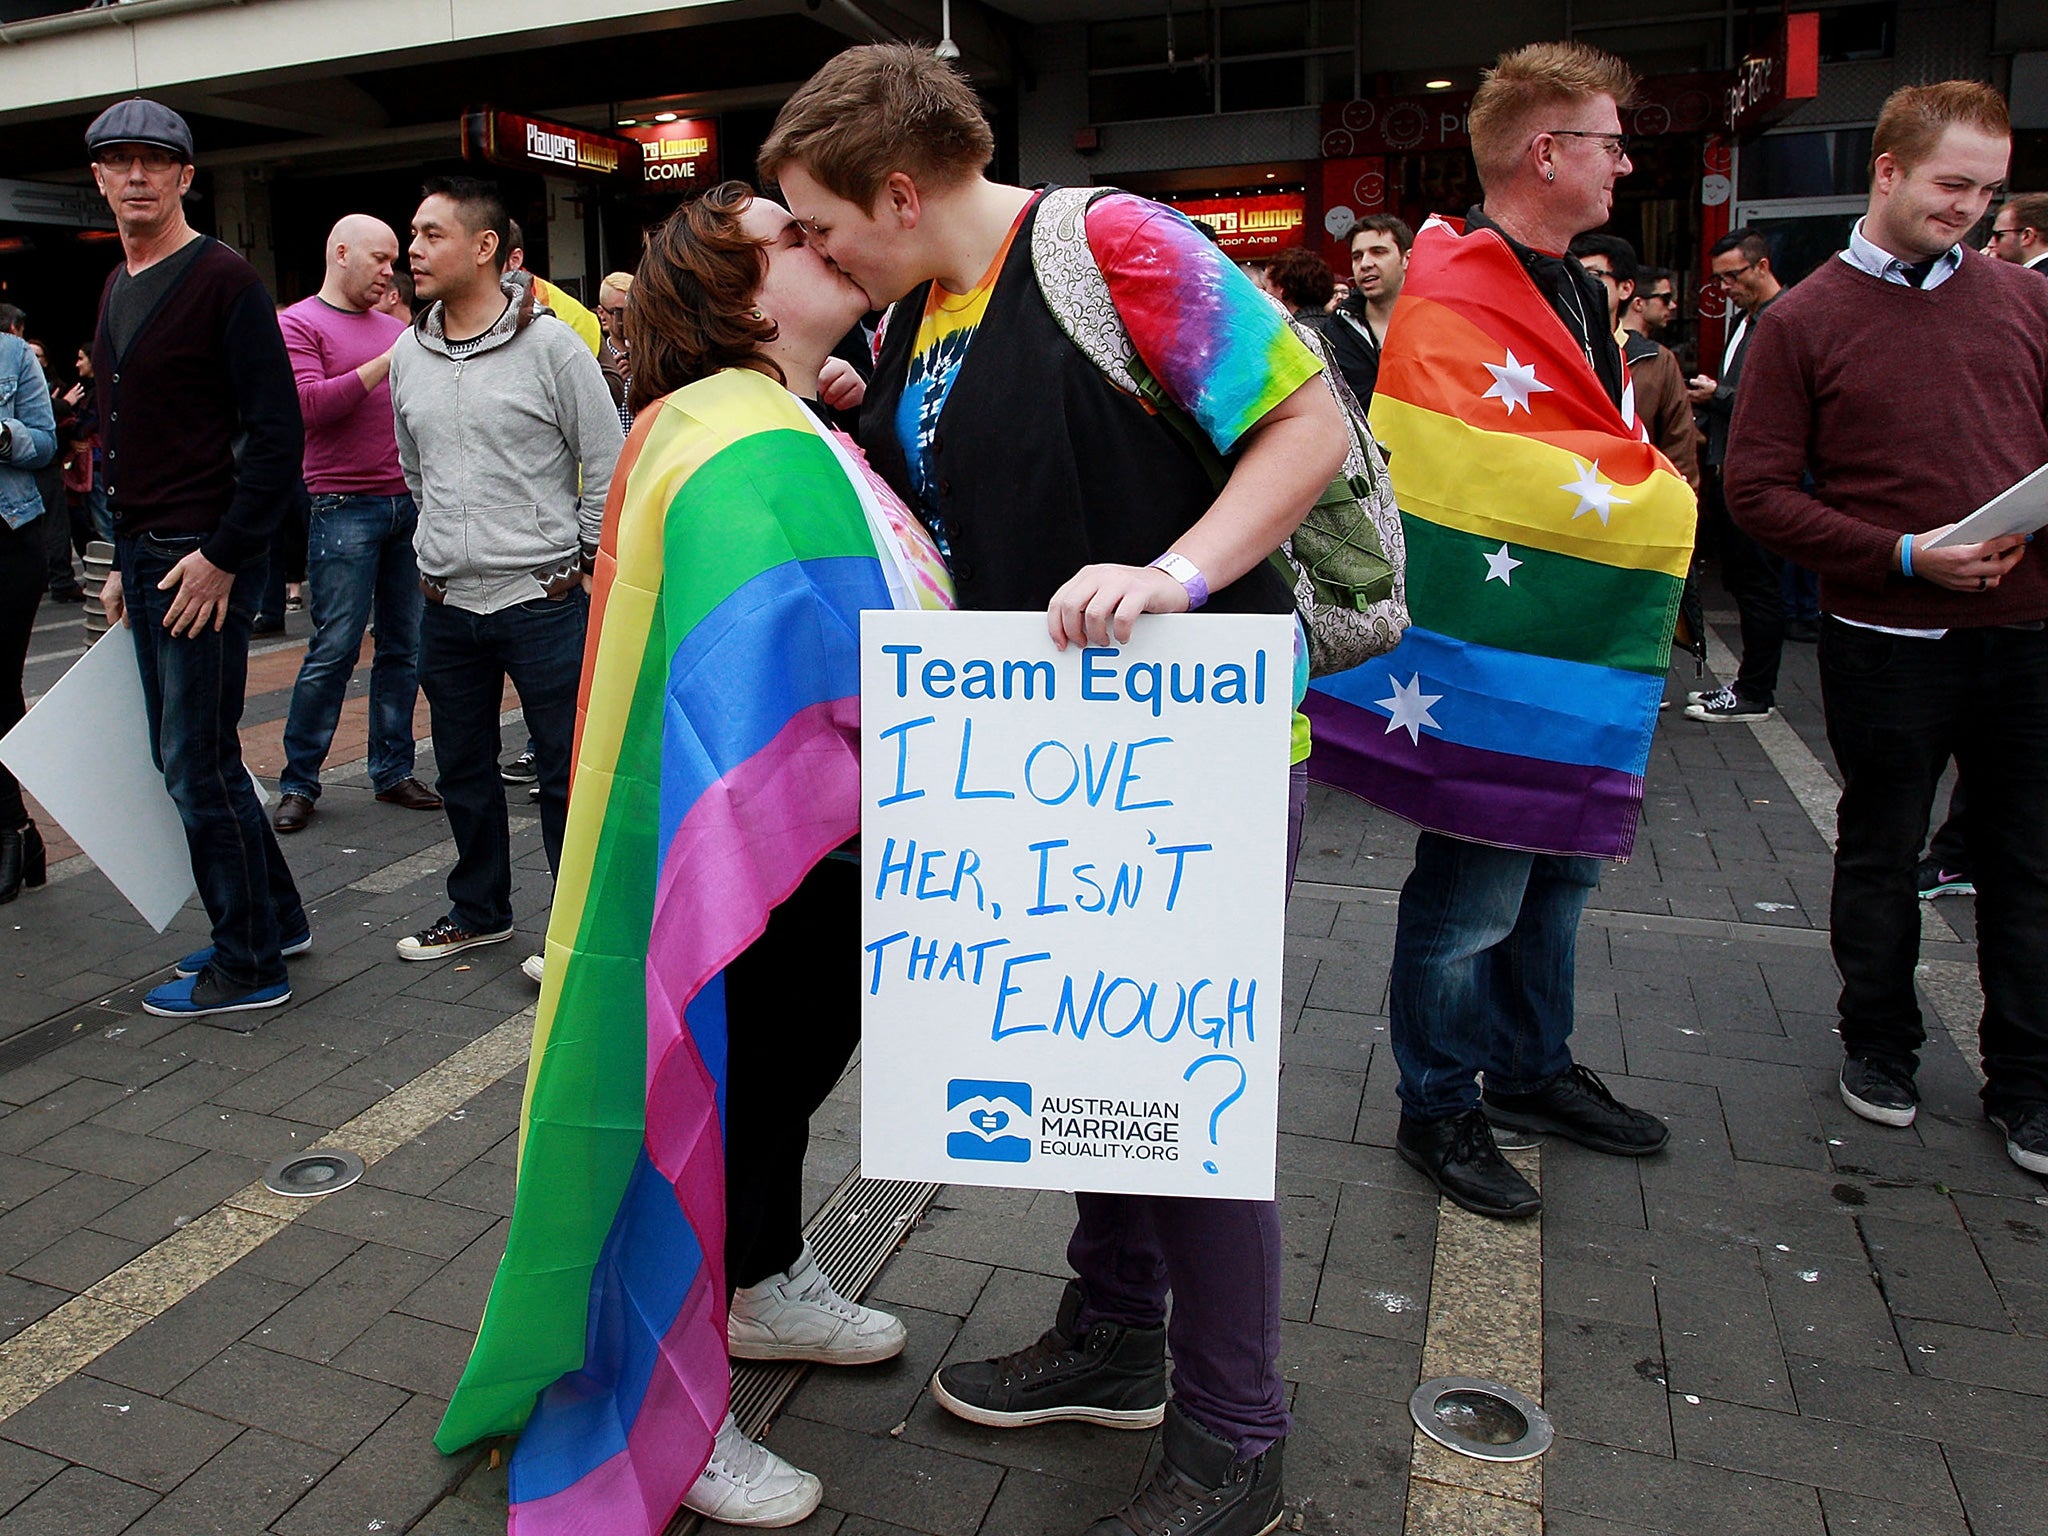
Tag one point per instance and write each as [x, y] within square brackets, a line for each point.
[985, 1117]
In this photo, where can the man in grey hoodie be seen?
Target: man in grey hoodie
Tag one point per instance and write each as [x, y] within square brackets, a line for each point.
[507, 439]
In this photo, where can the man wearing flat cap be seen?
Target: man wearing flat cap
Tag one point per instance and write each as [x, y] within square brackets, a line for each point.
[202, 441]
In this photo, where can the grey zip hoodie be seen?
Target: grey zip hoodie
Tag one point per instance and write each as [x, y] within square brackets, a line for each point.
[508, 452]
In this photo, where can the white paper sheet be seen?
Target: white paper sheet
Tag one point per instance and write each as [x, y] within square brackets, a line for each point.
[83, 751]
[2022, 508]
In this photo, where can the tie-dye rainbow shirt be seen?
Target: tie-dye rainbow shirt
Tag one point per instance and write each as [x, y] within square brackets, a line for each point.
[944, 333]
[1221, 349]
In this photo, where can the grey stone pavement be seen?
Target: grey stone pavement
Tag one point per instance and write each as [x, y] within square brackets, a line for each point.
[1791, 1323]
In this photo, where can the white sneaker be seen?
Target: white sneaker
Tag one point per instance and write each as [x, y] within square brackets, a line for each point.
[798, 1316]
[748, 1484]
[534, 967]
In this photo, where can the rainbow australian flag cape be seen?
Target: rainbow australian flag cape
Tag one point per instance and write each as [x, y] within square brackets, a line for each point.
[717, 760]
[1547, 546]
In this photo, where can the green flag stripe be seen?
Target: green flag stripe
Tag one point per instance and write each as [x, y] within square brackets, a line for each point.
[711, 553]
[1549, 605]
[589, 1107]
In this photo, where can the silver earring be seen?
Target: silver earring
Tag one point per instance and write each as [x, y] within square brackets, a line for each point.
[756, 313]
[1550, 173]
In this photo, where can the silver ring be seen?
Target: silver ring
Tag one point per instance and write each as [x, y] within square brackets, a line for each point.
[1983, 582]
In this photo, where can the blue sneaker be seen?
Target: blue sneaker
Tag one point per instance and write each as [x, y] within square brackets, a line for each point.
[200, 959]
[194, 997]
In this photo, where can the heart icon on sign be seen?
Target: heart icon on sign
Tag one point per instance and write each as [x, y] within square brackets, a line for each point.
[989, 1121]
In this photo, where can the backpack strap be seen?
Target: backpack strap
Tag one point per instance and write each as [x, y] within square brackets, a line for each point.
[1074, 288]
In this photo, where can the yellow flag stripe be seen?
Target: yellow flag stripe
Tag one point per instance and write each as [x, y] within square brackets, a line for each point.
[1507, 486]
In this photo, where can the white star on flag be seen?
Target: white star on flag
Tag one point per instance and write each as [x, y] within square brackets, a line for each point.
[1410, 706]
[1595, 494]
[1513, 383]
[1501, 566]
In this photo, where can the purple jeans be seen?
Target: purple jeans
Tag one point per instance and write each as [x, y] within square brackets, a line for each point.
[1221, 1261]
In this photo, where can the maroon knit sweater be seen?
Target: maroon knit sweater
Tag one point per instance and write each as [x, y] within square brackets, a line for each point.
[1912, 408]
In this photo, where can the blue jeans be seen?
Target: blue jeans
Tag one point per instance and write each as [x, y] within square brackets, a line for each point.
[358, 554]
[1483, 971]
[192, 693]
[464, 660]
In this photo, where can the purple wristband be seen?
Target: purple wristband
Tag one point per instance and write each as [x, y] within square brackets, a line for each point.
[1188, 574]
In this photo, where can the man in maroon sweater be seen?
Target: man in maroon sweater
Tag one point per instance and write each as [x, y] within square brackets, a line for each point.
[1924, 651]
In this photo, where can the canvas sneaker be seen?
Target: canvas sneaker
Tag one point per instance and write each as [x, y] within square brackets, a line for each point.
[2026, 1136]
[745, 1483]
[521, 770]
[195, 997]
[798, 1316]
[534, 968]
[444, 937]
[200, 959]
[1718, 698]
[1879, 1092]
[1733, 710]
[1931, 880]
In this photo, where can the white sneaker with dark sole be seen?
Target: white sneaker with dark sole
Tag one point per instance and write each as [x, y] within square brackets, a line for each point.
[745, 1483]
[443, 938]
[798, 1316]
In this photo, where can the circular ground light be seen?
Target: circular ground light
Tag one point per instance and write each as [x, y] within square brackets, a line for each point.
[1480, 1419]
[312, 1173]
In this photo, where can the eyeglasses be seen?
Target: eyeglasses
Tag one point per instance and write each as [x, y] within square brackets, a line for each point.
[1660, 298]
[152, 159]
[1600, 272]
[2007, 234]
[617, 312]
[1616, 144]
[1725, 278]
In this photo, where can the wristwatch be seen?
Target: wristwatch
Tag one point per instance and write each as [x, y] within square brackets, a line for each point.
[1188, 574]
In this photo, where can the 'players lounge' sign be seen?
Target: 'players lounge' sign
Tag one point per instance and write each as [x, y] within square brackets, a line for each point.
[1251, 226]
[534, 144]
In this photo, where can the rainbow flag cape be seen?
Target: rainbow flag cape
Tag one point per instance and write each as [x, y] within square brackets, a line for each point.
[1547, 547]
[717, 760]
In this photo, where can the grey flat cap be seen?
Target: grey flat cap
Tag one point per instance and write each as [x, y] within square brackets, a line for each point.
[139, 121]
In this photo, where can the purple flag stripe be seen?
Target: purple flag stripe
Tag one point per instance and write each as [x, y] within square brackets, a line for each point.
[1469, 792]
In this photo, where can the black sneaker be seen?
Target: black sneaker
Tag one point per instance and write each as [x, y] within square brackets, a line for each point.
[520, 770]
[1726, 707]
[1931, 880]
[1111, 1375]
[1879, 1091]
[1200, 1488]
[1458, 1155]
[1577, 1106]
[2026, 1135]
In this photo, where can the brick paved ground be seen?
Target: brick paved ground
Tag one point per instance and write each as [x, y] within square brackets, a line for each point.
[1790, 1323]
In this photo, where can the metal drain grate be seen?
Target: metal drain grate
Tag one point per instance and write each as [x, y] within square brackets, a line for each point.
[852, 1235]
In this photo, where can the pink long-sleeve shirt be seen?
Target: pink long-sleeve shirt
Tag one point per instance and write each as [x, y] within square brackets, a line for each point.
[351, 446]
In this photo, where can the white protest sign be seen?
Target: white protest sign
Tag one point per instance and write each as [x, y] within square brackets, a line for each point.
[1073, 872]
[83, 751]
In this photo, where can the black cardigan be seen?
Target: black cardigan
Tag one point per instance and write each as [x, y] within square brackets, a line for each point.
[200, 429]
[1044, 466]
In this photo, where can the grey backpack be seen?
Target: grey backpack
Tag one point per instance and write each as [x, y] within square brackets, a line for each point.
[1345, 561]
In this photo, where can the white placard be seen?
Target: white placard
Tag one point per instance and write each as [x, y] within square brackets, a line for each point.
[2020, 508]
[1073, 873]
[83, 751]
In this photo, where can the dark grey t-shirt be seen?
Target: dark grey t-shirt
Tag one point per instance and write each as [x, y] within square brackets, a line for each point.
[136, 294]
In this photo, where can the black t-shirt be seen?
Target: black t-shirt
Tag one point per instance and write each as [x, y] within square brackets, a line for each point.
[136, 294]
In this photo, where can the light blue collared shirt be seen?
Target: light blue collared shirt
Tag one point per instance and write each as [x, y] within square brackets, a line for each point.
[1866, 257]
